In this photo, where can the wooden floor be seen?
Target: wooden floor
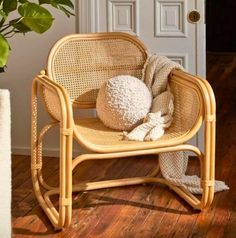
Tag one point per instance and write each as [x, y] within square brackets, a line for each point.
[140, 211]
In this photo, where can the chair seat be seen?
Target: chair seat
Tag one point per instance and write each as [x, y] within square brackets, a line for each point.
[94, 135]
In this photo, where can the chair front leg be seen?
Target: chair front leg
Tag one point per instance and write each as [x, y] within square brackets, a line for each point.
[65, 187]
[208, 164]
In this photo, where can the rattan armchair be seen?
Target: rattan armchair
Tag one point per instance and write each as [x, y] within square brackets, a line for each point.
[76, 67]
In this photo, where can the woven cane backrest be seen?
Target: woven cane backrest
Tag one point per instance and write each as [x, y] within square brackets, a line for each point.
[81, 63]
[187, 104]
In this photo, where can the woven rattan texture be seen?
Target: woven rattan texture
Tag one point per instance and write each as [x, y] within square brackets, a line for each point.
[185, 116]
[186, 109]
[81, 66]
[52, 103]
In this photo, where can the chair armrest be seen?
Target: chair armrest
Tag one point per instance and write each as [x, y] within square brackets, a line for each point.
[55, 98]
[194, 102]
[204, 89]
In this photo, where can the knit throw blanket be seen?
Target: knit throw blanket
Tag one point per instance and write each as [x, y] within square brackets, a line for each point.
[173, 165]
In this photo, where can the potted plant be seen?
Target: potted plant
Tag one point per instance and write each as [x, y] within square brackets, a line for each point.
[17, 16]
[31, 17]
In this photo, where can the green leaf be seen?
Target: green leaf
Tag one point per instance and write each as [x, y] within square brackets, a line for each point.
[4, 49]
[67, 3]
[61, 5]
[54, 3]
[44, 1]
[22, 1]
[9, 6]
[3, 14]
[35, 17]
[20, 26]
[68, 13]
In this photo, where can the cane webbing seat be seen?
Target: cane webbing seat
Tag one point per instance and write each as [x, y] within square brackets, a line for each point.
[77, 66]
[99, 138]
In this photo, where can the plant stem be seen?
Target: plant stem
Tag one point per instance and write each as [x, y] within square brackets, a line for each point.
[2, 21]
[9, 32]
[5, 28]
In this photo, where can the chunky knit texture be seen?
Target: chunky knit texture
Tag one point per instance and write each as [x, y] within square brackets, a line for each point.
[122, 102]
[155, 76]
[173, 165]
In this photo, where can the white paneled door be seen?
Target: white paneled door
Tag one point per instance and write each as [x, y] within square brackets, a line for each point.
[164, 25]
[174, 28]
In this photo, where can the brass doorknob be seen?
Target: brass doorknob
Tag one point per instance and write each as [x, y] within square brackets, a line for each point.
[194, 16]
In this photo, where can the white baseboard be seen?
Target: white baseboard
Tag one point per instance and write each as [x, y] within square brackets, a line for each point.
[50, 152]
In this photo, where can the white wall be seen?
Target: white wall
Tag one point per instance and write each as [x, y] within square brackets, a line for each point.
[28, 57]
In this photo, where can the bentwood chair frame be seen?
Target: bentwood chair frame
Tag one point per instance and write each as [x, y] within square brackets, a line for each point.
[59, 89]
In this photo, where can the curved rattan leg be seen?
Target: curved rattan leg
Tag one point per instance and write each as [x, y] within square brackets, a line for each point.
[39, 154]
[68, 134]
[155, 171]
[60, 218]
[65, 180]
[181, 191]
[208, 164]
[36, 162]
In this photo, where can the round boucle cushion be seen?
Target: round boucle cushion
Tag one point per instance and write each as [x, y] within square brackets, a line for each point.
[123, 101]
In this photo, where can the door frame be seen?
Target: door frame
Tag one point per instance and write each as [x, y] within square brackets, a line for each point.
[87, 12]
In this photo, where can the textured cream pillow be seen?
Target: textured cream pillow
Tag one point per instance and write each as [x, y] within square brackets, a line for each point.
[123, 101]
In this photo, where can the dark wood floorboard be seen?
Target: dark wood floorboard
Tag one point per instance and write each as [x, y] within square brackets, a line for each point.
[140, 211]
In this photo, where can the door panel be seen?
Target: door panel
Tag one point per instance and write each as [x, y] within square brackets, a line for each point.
[162, 25]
